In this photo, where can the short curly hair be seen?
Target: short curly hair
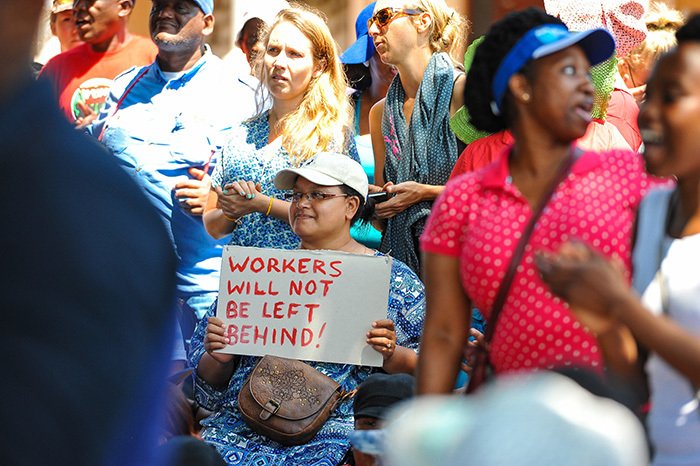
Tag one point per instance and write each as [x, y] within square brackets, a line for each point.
[499, 40]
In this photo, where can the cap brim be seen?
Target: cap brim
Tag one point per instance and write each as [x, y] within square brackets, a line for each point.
[60, 8]
[359, 52]
[597, 44]
[286, 178]
[372, 411]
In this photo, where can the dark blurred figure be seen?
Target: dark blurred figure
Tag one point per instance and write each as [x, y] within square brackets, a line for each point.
[371, 406]
[89, 282]
[189, 451]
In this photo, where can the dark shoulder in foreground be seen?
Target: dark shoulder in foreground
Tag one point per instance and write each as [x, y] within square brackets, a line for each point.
[89, 281]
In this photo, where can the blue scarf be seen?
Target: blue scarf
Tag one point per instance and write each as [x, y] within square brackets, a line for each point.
[424, 151]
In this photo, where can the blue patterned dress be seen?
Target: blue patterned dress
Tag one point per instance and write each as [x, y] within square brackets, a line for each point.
[248, 156]
[239, 445]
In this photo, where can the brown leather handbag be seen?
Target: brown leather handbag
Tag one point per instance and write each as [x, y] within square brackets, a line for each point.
[287, 400]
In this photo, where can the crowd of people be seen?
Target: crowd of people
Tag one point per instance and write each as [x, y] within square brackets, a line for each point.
[548, 180]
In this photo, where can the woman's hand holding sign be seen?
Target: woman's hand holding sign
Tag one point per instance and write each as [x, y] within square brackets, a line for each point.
[382, 338]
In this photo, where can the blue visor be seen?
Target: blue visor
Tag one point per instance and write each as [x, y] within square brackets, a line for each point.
[597, 44]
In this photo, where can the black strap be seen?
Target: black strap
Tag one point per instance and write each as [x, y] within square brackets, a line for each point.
[564, 169]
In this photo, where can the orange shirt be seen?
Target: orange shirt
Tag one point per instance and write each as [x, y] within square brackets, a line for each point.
[82, 75]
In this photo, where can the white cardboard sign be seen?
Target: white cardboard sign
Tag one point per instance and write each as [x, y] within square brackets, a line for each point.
[302, 304]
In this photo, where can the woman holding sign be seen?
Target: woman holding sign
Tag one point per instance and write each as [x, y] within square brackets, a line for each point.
[301, 74]
[328, 195]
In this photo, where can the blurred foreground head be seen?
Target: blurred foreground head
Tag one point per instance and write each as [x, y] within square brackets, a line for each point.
[535, 419]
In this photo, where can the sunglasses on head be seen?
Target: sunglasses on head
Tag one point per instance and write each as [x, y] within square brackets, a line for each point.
[387, 15]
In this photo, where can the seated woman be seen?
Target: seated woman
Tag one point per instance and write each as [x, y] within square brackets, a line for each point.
[328, 196]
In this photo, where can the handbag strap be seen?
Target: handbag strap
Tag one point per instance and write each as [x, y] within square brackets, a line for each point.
[499, 301]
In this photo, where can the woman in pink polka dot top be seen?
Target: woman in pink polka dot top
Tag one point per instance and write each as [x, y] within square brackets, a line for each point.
[531, 76]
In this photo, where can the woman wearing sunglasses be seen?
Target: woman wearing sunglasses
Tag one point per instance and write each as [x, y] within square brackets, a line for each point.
[327, 195]
[414, 147]
[530, 75]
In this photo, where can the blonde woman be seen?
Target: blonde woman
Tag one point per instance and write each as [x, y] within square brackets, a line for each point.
[414, 151]
[662, 23]
[310, 113]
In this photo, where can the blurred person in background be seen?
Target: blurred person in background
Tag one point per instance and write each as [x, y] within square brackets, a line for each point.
[65, 34]
[63, 24]
[81, 77]
[662, 23]
[369, 78]
[623, 19]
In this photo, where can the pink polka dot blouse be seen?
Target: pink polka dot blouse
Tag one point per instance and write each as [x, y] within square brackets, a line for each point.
[480, 217]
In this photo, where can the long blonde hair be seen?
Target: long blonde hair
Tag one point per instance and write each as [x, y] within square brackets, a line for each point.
[322, 120]
[447, 28]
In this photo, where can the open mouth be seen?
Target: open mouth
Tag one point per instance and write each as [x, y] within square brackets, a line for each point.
[584, 111]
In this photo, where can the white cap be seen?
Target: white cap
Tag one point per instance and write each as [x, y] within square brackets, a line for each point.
[265, 10]
[326, 169]
[540, 418]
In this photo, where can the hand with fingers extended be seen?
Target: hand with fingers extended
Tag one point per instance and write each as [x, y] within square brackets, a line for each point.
[241, 198]
[192, 194]
[88, 115]
[591, 284]
[382, 337]
[215, 339]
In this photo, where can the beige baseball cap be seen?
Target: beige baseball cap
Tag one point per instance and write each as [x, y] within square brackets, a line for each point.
[326, 169]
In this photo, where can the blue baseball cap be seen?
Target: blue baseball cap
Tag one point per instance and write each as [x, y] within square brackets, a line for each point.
[207, 6]
[363, 48]
[597, 44]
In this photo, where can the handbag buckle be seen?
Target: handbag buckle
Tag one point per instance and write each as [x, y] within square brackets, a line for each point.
[269, 411]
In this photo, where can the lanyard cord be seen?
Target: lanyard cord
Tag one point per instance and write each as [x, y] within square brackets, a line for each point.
[121, 100]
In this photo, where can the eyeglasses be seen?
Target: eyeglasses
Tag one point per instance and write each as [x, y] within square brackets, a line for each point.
[295, 197]
[387, 15]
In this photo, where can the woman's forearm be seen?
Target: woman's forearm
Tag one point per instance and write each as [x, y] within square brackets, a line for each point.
[404, 360]
[215, 373]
